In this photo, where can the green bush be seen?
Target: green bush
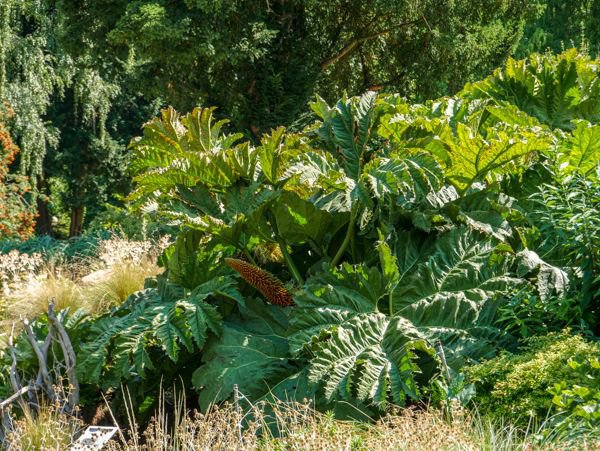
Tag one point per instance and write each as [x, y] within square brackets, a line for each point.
[384, 234]
[123, 222]
[522, 385]
[579, 405]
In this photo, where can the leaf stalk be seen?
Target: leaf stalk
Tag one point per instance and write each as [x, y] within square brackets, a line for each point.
[286, 255]
[347, 238]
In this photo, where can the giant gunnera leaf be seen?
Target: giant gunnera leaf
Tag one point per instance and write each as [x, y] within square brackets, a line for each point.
[252, 352]
[366, 332]
[452, 290]
[355, 351]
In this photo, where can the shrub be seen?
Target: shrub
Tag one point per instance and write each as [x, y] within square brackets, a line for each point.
[519, 385]
[579, 405]
[123, 222]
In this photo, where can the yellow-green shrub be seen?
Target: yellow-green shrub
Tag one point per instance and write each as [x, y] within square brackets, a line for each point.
[519, 385]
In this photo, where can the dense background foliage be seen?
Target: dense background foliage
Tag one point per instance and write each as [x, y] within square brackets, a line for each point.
[17, 218]
[102, 68]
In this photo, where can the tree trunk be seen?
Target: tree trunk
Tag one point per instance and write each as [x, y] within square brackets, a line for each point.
[76, 227]
[44, 221]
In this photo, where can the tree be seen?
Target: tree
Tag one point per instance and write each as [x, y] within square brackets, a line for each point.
[261, 62]
[94, 63]
[563, 24]
[62, 100]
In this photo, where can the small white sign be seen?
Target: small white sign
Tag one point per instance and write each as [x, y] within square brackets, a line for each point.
[94, 438]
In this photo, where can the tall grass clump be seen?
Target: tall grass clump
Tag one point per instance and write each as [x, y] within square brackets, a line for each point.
[285, 425]
[46, 429]
[117, 284]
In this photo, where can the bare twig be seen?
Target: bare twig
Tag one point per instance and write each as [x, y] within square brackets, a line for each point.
[44, 349]
[14, 377]
[68, 354]
[42, 358]
[16, 396]
[121, 436]
[238, 410]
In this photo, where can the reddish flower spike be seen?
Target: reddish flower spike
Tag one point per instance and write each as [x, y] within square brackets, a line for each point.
[265, 282]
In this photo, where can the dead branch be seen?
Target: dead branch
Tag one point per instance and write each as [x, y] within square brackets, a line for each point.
[14, 376]
[42, 358]
[68, 354]
[356, 42]
[45, 349]
[16, 396]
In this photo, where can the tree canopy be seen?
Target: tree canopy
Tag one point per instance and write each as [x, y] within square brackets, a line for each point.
[261, 62]
[562, 25]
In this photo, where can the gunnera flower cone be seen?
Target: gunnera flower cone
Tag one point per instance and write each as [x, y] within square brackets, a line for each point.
[270, 286]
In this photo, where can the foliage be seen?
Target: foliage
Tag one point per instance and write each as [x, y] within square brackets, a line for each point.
[362, 333]
[579, 405]
[100, 69]
[559, 196]
[555, 89]
[17, 219]
[55, 251]
[563, 25]
[567, 231]
[165, 319]
[526, 314]
[261, 63]
[522, 385]
[400, 232]
[29, 77]
[63, 120]
[126, 223]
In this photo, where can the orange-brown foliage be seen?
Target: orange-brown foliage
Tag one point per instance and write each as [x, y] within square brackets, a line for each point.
[17, 219]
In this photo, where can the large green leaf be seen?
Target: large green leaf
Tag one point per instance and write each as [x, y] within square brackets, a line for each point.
[473, 157]
[359, 328]
[347, 129]
[556, 89]
[177, 153]
[167, 317]
[299, 220]
[94, 354]
[277, 152]
[471, 138]
[582, 150]
[550, 279]
[452, 291]
[354, 350]
[410, 180]
[332, 297]
[483, 211]
[369, 357]
[251, 353]
[190, 265]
